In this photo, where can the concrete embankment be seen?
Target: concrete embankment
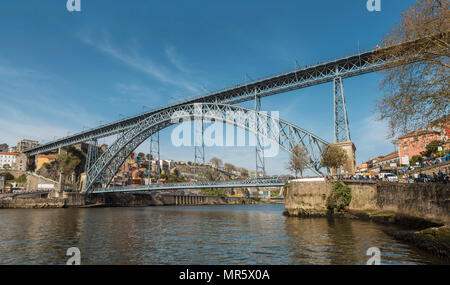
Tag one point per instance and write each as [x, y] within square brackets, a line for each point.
[422, 210]
[66, 200]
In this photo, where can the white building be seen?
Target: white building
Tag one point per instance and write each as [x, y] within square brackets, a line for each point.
[15, 161]
[7, 158]
[164, 164]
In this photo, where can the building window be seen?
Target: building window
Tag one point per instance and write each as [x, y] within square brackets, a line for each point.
[416, 138]
[405, 148]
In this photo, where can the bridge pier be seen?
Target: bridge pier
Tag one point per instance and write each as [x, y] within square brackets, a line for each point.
[350, 166]
[189, 200]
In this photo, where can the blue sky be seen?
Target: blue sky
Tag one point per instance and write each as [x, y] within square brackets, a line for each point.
[61, 72]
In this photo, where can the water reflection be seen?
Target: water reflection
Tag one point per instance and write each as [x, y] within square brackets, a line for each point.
[242, 234]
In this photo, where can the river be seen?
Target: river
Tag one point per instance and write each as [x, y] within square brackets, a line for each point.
[234, 234]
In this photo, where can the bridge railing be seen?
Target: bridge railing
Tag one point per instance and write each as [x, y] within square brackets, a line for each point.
[200, 184]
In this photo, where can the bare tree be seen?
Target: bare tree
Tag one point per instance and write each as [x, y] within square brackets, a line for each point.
[416, 86]
[244, 172]
[217, 162]
[298, 160]
[229, 167]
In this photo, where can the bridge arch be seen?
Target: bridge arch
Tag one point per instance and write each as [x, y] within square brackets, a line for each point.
[280, 132]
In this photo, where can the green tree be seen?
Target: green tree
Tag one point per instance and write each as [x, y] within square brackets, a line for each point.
[333, 156]
[416, 159]
[22, 179]
[432, 148]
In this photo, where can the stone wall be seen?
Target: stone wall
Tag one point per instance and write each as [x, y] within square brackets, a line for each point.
[15, 173]
[32, 203]
[74, 199]
[33, 180]
[426, 201]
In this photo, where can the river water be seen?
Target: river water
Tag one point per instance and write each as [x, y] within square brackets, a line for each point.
[234, 234]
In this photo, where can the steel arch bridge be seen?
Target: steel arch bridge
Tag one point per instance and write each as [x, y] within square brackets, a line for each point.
[277, 131]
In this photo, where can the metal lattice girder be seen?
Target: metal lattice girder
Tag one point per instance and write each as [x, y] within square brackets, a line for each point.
[92, 153]
[199, 145]
[260, 182]
[279, 132]
[260, 122]
[355, 65]
[155, 154]
[341, 127]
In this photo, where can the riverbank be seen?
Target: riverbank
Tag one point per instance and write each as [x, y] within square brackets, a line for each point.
[421, 211]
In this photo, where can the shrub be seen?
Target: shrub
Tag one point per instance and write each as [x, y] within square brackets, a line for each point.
[21, 179]
[340, 197]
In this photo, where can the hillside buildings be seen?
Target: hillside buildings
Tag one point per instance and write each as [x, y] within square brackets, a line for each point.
[13, 161]
[41, 159]
[409, 145]
[416, 142]
[25, 145]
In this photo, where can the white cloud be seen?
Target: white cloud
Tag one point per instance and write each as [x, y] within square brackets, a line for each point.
[132, 58]
[31, 108]
[11, 132]
[175, 59]
[371, 138]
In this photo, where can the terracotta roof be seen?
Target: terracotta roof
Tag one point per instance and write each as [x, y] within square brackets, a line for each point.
[47, 156]
[419, 133]
[10, 153]
[390, 156]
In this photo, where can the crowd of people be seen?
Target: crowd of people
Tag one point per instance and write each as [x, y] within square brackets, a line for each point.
[439, 177]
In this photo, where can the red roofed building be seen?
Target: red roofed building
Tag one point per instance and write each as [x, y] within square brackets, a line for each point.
[416, 142]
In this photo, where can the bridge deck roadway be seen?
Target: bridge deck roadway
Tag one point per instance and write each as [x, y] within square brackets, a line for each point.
[188, 186]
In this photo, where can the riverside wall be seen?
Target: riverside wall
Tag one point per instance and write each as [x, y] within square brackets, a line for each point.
[423, 201]
[72, 199]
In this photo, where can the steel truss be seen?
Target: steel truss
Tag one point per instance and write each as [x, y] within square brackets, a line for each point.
[92, 153]
[155, 154]
[341, 127]
[299, 78]
[278, 131]
[199, 145]
[272, 182]
[260, 125]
